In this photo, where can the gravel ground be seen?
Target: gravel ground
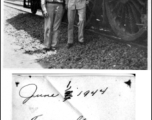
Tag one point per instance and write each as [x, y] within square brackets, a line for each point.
[98, 53]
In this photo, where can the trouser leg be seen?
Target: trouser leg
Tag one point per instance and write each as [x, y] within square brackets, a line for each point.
[48, 25]
[82, 18]
[71, 17]
[57, 21]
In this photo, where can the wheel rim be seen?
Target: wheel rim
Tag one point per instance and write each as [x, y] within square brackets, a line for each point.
[126, 18]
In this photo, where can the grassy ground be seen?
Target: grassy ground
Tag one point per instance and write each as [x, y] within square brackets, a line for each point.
[98, 53]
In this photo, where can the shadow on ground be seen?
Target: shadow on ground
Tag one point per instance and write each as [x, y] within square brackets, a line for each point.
[98, 53]
[29, 23]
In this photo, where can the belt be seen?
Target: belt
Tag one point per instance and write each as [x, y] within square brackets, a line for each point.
[55, 2]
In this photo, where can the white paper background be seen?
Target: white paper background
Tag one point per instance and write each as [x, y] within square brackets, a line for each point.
[143, 94]
[117, 103]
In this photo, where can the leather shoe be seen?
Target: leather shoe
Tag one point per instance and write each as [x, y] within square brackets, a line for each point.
[81, 43]
[69, 45]
[53, 48]
[46, 49]
[49, 49]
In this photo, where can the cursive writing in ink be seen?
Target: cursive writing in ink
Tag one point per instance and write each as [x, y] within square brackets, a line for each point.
[68, 92]
[81, 118]
[86, 93]
[34, 118]
[32, 93]
[27, 95]
[102, 91]
[94, 92]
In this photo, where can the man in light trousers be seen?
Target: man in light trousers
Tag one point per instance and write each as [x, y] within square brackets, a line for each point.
[53, 12]
[80, 7]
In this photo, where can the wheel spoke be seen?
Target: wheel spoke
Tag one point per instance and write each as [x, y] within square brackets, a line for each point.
[118, 15]
[111, 2]
[136, 14]
[131, 22]
[116, 7]
[125, 17]
[116, 12]
[122, 24]
[134, 17]
[142, 2]
[135, 5]
[119, 11]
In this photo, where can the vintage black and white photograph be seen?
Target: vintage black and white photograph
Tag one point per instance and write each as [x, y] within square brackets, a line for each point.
[73, 97]
[76, 34]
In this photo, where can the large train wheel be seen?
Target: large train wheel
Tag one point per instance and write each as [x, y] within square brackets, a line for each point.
[34, 6]
[127, 18]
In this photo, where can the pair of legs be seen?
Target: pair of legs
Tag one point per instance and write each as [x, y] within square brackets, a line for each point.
[52, 24]
[71, 18]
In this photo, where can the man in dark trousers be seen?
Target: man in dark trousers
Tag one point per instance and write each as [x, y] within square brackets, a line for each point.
[80, 7]
[53, 12]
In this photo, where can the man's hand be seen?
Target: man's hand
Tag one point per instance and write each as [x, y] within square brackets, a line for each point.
[45, 13]
[87, 1]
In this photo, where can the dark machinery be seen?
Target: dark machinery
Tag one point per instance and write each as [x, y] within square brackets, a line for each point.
[33, 4]
[126, 18]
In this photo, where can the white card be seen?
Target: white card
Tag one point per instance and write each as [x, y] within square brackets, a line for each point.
[77, 97]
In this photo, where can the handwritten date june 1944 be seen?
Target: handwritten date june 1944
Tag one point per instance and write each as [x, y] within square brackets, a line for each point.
[67, 95]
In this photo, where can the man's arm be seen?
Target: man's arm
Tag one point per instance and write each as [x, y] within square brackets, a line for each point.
[43, 3]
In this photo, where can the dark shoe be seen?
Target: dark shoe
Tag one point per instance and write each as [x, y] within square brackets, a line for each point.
[69, 45]
[53, 48]
[49, 49]
[46, 49]
[81, 43]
